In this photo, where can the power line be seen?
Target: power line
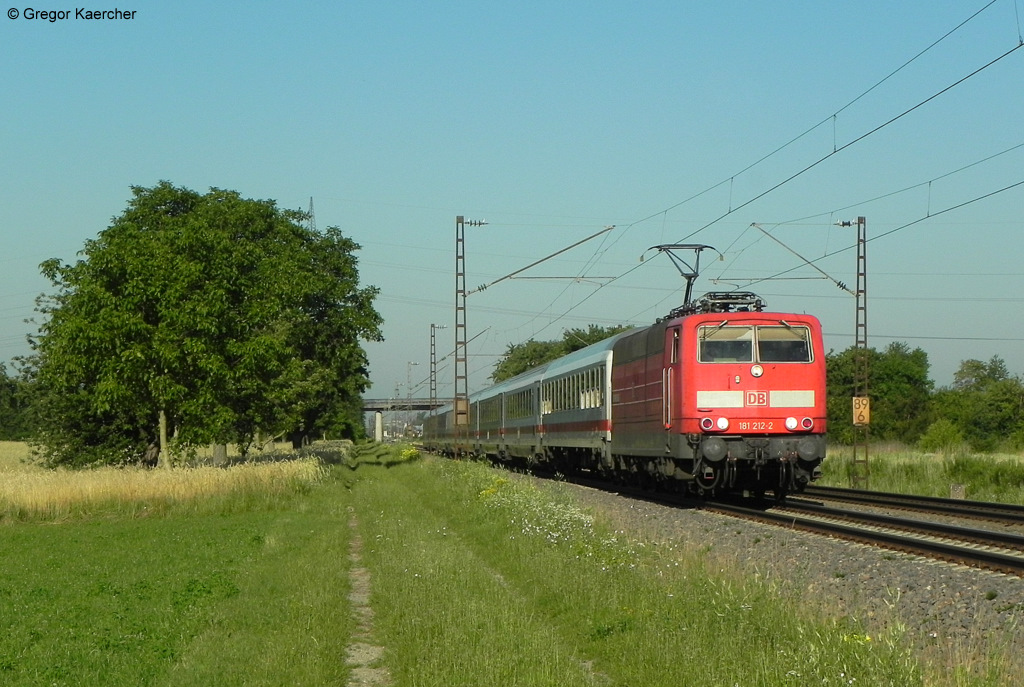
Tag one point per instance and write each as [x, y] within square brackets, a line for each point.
[836, 149]
[907, 188]
[899, 228]
[931, 338]
[545, 259]
[854, 141]
[831, 117]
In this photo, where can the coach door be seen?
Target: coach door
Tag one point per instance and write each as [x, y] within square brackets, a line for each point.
[671, 378]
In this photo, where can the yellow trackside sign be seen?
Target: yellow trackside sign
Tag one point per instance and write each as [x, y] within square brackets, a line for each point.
[861, 410]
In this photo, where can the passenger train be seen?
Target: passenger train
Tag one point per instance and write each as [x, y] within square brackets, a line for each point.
[719, 397]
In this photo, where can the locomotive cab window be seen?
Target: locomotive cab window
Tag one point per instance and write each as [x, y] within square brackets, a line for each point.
[746, 344]
[784, 344]
[723, 344]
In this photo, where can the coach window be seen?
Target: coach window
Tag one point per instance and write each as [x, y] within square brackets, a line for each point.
[725, 344]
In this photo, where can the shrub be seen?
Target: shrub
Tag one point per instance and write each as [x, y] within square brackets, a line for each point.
[942, 436]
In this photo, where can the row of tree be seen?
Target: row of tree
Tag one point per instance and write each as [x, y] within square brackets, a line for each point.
[205, 318]
[984, 407]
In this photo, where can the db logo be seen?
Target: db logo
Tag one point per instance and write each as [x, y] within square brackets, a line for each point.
[757, 398]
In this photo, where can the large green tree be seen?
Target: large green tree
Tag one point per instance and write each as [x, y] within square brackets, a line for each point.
[522, 356]
[985, 403]
[898, 386]
[225, 315]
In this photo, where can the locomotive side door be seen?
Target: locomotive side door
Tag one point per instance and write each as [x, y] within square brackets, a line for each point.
[671, 379]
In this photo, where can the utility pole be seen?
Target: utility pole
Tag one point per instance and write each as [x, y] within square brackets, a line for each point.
[860, 472]
[433, 364]
[460, 405]
[408, 393]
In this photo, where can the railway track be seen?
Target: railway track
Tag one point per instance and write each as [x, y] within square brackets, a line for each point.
[998, 512]
[979, 548]
[986, 549]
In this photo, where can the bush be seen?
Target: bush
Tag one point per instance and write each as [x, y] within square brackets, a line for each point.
[942, 436]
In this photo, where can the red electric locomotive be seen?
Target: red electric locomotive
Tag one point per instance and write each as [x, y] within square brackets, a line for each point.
[723, 394]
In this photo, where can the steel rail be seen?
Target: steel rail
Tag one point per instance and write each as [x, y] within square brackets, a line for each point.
[999, 561]
[967, 534]
[1004, 512]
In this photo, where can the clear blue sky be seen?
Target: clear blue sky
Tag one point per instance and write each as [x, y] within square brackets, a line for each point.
[550, 121]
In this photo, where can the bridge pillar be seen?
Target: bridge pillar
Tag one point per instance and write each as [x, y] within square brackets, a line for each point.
[378, 426]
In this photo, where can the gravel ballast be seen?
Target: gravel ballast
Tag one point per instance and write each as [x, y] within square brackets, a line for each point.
[948, 612]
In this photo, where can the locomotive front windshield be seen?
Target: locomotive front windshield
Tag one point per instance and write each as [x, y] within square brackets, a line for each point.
[724, 343]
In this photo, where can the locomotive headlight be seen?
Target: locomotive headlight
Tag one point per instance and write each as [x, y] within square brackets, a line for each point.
[707, 424]
[723, 423]
[757, 370]
[807, 424]
[791, 424]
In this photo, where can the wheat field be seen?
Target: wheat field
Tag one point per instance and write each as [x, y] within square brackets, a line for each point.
[29, 492]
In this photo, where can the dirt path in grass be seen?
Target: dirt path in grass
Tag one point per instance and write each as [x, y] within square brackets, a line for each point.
[362, 654]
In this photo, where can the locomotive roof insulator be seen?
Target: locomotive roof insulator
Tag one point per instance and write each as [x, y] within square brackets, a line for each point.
[722, 301]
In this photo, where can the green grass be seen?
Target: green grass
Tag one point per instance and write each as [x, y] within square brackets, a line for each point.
[985, 477]
[481, 579]
[231, 598]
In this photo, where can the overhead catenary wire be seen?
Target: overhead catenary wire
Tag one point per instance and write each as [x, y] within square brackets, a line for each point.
[832, 117]
[544, 259]
[823, 272]
[893, 231]
[890, 194]
[853, 142]
[812, 165]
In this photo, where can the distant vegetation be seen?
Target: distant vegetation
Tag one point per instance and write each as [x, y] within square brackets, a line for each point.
[982, 411]
[39, 495]
[900, 469]
[521, 357]
[113, 417]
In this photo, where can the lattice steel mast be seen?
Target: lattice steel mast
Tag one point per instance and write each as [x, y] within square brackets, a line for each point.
[860, 472]
[460, 405]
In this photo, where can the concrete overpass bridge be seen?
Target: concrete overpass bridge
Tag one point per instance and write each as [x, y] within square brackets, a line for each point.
[383, 405]
[379, 406]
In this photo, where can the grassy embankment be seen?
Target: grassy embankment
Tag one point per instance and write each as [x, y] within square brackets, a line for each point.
[898, 469]
[478, 578]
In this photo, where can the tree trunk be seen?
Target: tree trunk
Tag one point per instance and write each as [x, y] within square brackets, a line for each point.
[165, 455]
